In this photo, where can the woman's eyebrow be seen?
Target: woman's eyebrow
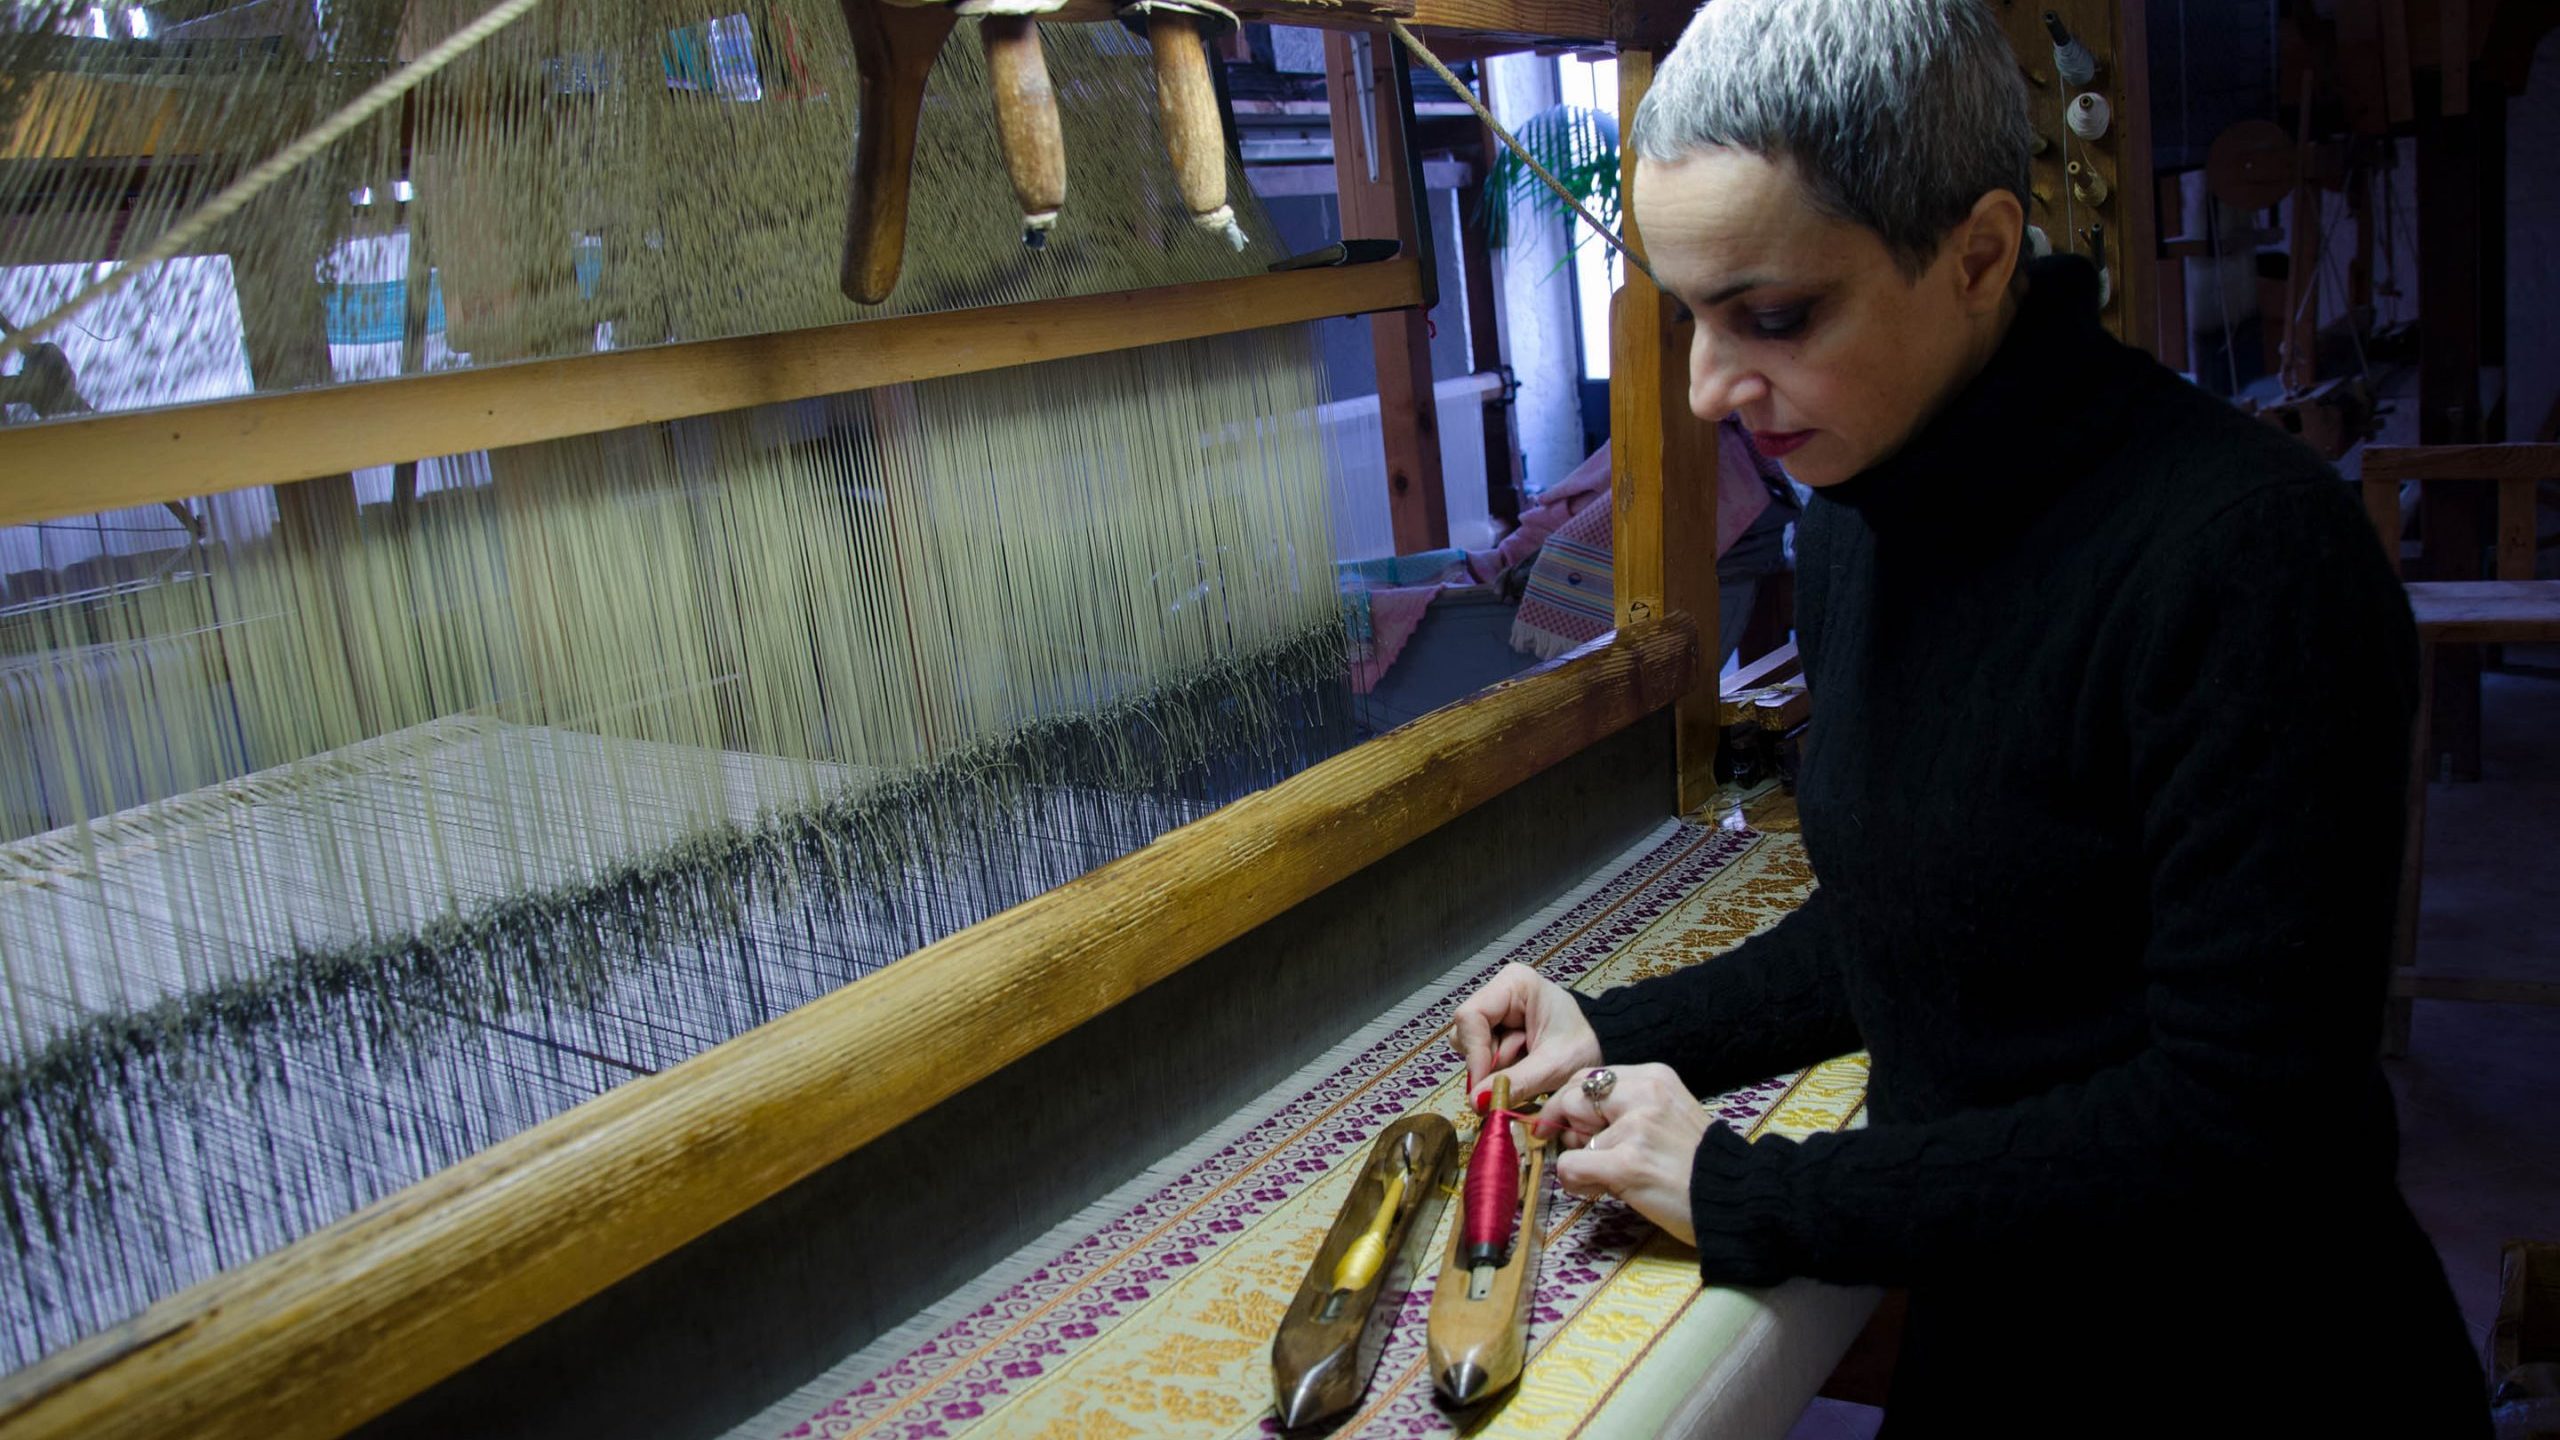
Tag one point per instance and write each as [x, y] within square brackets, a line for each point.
[1747, 282]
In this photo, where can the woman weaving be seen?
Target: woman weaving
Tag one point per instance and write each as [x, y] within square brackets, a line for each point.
[2112, 693]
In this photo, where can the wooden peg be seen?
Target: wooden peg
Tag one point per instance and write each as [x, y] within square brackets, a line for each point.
[894, 47]
[1328, 1343]
[1035, 149]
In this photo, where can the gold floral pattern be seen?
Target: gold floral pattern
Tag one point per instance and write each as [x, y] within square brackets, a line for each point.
[1161, 1322]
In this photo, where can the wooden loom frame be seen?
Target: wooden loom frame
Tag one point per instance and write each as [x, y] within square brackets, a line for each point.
[322, 1335]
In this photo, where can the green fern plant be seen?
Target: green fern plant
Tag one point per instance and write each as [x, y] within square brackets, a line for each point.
[1579, 146]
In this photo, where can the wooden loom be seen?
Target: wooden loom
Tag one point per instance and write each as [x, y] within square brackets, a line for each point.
[451, 1306]
[403, 1315]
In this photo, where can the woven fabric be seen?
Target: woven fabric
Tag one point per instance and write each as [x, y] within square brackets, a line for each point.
[1159, 1319]
[1571, 595]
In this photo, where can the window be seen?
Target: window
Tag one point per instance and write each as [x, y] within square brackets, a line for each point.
[1592, 84]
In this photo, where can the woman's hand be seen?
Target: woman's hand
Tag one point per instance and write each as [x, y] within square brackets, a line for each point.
[1638, 1143]
[1523, 1025]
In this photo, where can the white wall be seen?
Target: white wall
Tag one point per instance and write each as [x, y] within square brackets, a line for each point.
[1535, 298]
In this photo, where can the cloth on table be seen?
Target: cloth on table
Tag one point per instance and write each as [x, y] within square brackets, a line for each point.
[1570, 596]
[1384, 599]
[1154, 1312]
[1585, 485]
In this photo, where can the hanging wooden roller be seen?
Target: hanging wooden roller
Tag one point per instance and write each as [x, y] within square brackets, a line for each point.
[895, 44]
[1195, 137]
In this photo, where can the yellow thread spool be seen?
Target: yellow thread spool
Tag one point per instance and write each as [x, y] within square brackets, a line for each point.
[1363, 1258]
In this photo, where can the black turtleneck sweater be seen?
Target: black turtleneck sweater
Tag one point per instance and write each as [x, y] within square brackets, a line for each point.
[2112, 692]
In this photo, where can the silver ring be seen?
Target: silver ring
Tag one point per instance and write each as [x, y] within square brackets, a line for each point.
[1597, 1085]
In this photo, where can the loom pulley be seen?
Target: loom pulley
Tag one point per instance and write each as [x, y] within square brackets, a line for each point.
[895, 43]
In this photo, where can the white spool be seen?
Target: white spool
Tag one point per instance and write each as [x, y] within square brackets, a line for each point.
[2087, 185]
[2075, 64]
[2039, 244]
[2088, 115]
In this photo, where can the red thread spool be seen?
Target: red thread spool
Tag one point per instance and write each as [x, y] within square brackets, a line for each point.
[1492, 1192]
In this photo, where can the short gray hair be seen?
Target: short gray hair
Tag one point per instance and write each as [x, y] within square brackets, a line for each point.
[1898, 114]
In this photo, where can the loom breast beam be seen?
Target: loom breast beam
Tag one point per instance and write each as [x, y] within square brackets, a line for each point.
[1187, 107]
[1327, 1346]
[1479, 1332]
[894, 47]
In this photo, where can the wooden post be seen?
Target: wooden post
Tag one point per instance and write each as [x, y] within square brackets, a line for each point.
[2360, 257]
[1484, 342]
[2449, 354]
[1401, 339]
[2174, 349]
[2516, 529]
[2397, 96]
[2302, 261]
[1662, 471]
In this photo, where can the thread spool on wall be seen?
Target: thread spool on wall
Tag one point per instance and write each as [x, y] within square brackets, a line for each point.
[2087, 185]
[2072, 61]
[2089, 115]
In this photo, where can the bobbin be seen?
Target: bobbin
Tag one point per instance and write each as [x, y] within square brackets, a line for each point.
[2087, 185]
[2088, 115]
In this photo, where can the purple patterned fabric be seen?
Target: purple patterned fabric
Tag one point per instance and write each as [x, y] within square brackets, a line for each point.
[961, 1376]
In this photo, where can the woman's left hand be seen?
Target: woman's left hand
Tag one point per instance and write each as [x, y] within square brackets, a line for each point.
[1637, 1143]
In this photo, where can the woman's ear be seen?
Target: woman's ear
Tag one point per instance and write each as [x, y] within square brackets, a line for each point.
[1986, 245]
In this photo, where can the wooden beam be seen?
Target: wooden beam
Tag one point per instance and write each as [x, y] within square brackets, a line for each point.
[1317, 177]
[2449, 357]
[2399, 100]
[318, 1337]
[2382, 507]
[2413, 849]
[2357, 49]
[2487, 612]
[2462, 462]
[2517, 529]
[2301, 362]
[1639, 394]
[61, 468]
[2454, 49]
[1662, 471]
[2477, 987]
[2169, 211]
[1369, 166]
[1548, 23]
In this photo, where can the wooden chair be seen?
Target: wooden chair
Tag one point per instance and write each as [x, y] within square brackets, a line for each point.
[2513, 608]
